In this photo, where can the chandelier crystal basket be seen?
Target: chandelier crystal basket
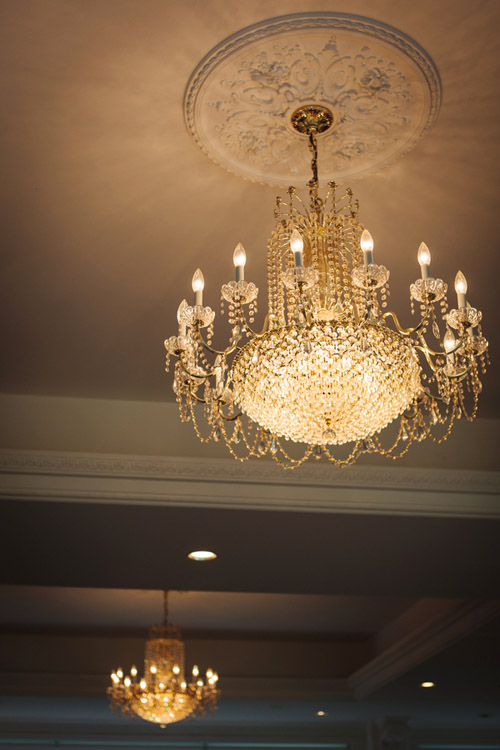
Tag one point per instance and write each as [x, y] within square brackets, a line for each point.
[331, 366]
[162, 695]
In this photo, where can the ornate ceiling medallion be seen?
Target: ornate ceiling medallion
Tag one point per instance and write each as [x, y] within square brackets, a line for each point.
[382, 90]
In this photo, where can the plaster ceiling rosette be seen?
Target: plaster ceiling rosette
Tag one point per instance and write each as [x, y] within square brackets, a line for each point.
[380, 85]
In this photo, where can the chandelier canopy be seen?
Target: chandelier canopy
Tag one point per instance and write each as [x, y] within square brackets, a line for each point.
[332, 365]
[163, 696]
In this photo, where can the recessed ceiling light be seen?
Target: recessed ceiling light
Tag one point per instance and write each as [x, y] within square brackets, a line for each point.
[201, 555]
[426, 684]
[321, 713]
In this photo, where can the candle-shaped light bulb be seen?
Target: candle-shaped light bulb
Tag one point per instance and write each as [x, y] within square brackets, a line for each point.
[424, 258]
[366, 243]
[239, 260]
[142, 684]
[196, 671]
[182, 325]
[297, 245]
[461, 289]
[119, 672]
[449, 341]
[133, 671]
[127, 681]
[152, 669]
[198, 284]
[176, 669]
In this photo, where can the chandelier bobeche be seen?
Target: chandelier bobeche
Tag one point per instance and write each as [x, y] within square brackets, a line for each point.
[331, 366]
[162, 695]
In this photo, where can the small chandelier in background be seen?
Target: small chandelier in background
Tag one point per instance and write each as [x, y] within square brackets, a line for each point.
[162, 695]
[331, 366]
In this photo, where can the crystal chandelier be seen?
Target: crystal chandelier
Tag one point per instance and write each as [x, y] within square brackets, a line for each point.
[163, 696]
[331, 367]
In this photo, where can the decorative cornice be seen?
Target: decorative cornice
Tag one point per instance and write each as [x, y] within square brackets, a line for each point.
[458, 620]
[225, 483]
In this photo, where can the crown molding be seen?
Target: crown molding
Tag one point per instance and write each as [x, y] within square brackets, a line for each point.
[457, 620]
[225, 483]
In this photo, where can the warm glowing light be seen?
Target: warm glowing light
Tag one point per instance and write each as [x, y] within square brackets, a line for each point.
[202, 555]
[449, 341]
[460, 283]
[153, 669]
[133, 671]
[198, 282]
[143, 684]
[366, 241]
[427, 684]
[196, 671]
[296, 242]
[127, 681]
[200, 683]
[239, 255]
[423, 255]
[119, 672]
[320, 713]
[176, 669]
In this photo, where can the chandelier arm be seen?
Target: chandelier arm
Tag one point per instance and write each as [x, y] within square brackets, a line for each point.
[223, 353]
[399, 328]
[262, 333]
[227, 419]
[460, 375]
[197, 398]
[434, 396]
[439, 354]
[427, 353]
[193, 374]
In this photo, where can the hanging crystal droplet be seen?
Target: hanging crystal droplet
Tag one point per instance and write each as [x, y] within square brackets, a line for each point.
[435, 330]
[236, 434]
[262, 446]
[420, 431]
[255, 357]
[317, 451]
[364, 344]
[306, 346]
[274, 447]
[459, 413]
[363, 446]
[404, 433]
[217, 434]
